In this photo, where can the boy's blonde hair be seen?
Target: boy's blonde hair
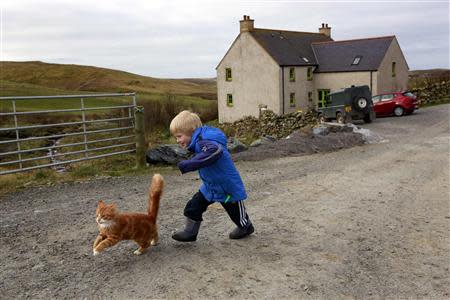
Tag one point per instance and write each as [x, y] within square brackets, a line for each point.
[185, 122]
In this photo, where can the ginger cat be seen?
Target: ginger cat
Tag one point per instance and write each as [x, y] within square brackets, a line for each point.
[141, 228]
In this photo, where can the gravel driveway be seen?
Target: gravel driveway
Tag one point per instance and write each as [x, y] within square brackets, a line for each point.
[367, 222]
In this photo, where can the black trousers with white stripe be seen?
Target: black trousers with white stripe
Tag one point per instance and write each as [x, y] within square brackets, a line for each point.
[198, 204]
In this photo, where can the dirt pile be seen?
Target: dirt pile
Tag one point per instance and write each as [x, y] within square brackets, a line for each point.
[304, 142]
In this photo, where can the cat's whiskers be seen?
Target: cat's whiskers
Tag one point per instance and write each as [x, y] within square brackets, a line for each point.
[105, 223]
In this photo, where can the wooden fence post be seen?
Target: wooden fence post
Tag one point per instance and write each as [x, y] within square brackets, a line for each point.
[139, 130]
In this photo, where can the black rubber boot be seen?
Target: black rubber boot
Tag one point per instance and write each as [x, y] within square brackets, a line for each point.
[189, 233]
[241, 232]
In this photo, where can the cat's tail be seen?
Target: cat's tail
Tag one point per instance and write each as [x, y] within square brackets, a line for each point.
[154, 196]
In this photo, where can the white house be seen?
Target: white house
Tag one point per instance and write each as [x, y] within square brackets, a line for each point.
[285, 71]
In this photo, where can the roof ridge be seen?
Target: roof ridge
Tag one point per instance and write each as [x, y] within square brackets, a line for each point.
[354, 40]
[291, 31]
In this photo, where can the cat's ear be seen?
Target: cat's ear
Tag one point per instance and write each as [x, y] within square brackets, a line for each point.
[101, 203]
[113, 206]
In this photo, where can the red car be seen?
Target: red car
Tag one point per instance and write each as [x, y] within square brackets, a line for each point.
[396, 103]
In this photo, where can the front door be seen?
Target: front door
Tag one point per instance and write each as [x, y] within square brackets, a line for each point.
[323, 98]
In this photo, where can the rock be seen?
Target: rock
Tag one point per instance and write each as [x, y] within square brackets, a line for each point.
[306, 130]
[262, 141]
[167, 153]
[235, 146]
[321, 130]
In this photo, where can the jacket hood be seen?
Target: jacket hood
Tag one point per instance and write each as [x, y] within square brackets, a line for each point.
[207, 133]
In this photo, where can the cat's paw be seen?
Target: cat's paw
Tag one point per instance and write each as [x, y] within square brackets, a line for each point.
[96, 252]
[154, 243]
[138, 252]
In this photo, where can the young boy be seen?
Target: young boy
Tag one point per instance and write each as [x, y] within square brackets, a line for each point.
[221, 181]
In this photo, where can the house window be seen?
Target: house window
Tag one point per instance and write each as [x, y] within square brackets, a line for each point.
[292, 100]
[291, 74]
[228, 76]
[393, 69]
[309, 74]
[324, 99]
[310, 98]
[230, 100]
[356, 60]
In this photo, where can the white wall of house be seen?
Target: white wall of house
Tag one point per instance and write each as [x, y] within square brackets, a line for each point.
[335, 81]
[300, 88]
[386, 82]
[255, 80]
[374, 89]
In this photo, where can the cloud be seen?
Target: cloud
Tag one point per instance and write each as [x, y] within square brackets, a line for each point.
[188, 38]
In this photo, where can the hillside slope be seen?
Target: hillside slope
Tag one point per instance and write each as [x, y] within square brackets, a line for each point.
[94, 79]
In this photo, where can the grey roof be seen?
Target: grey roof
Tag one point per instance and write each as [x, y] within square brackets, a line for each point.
[338, 56]
[289, 47]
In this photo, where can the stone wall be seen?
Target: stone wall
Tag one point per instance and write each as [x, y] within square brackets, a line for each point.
[269, 124]
[433, 92]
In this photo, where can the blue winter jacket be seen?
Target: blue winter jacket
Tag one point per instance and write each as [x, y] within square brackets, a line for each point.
[221, 180]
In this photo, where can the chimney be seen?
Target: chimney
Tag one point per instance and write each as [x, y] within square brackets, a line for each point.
[246, 24]
[325, 30]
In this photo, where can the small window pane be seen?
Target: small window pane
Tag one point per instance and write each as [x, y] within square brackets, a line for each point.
[292, 74]
[387, 97]
[228, 76]
[229, 100]
[309, 73]
[292, 99]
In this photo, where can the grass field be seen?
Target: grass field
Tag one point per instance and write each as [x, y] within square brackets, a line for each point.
[422, 78]
[53, 78]
[161, 97]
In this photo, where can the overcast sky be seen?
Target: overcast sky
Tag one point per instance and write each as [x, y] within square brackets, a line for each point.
[182, 38]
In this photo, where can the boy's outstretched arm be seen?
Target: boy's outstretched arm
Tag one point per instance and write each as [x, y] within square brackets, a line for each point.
[210, 153]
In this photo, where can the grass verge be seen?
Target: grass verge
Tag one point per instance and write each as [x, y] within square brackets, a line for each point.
[119, 165]
[434, 103]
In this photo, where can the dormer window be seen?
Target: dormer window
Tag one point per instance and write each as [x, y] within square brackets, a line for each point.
[356, 60]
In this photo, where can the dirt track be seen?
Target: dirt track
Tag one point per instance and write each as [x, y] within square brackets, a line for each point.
[367, 222]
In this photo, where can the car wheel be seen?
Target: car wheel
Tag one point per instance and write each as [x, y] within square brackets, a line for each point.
[340, 118]
[359, 100]
[399, 111]
[361, 103]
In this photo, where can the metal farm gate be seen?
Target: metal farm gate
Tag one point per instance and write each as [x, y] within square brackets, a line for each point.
[95, 126]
